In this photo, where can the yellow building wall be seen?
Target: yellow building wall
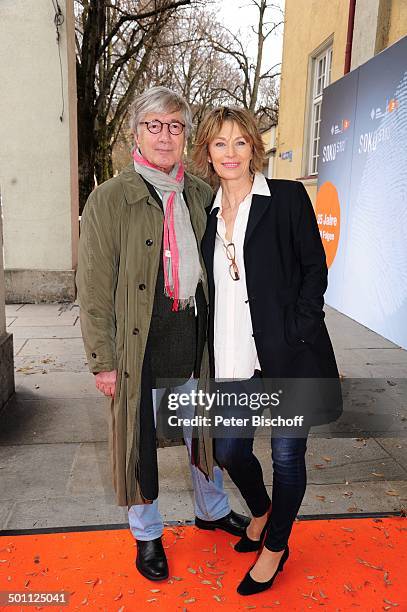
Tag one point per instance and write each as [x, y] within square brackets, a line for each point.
[301, 38]
[398, 21]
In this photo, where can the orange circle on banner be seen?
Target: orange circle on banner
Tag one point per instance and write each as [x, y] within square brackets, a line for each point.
[328, 213]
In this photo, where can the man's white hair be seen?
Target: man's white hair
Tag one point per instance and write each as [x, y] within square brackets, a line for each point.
[159, 100]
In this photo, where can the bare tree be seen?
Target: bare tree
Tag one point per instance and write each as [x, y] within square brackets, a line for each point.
[256, 89]
[125, 46]
[110, 37]
[189, 63]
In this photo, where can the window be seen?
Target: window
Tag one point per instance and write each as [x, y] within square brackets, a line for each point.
[321, 77]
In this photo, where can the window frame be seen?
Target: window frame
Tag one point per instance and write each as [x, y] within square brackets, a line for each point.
[323, 78]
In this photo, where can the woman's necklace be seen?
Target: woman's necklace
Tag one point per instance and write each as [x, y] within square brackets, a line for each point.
[240, 200]
[234, 211]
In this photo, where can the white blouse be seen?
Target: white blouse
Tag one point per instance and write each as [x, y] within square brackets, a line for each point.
[234, 347]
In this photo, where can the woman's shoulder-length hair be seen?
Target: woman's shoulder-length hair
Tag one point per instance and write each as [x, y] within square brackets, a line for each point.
[210, 127]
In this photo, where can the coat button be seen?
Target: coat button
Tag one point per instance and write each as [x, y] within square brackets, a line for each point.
[142, 287]
[135, 331]
[94, 355]
[126, 375]
[149, 242]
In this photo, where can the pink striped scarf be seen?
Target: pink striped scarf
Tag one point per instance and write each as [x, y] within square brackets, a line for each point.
[171, 185]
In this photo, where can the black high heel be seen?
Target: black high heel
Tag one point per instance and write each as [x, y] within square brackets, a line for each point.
[249, 586]
[246, 544]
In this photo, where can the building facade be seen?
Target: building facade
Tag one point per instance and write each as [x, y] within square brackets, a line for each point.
[322, 41]
[38, 149]
[6, 339]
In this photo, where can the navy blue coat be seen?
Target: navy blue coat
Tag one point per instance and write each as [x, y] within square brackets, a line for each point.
[286, 277]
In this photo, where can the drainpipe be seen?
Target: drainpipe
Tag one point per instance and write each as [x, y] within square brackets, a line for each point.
[349, 38]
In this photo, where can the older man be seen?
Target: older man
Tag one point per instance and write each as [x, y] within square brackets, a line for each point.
[143, 298]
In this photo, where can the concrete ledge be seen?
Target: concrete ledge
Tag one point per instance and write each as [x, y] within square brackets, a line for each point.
[6, 368]
[36, 286]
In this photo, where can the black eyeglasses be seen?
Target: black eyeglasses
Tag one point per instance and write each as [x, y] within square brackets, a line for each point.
[155, 127]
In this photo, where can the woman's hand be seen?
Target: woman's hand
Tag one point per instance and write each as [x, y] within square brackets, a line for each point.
[106, 382]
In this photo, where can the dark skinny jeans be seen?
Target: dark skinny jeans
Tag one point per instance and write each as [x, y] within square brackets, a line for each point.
[235, 454]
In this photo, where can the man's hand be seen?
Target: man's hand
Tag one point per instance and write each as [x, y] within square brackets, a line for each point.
[106, 382]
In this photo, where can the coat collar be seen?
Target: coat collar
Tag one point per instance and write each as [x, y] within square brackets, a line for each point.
[135, 189]
[258, 208]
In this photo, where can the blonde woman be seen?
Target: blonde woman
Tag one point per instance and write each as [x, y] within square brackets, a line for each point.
[267, 275]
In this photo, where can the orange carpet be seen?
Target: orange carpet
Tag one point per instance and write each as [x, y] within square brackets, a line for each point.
[337, 564]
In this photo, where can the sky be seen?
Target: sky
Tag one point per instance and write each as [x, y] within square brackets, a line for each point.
[240, 15]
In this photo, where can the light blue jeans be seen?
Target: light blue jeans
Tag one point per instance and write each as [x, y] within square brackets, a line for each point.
[211, 501]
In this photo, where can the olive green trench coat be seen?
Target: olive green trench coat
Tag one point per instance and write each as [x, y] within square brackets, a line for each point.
[119, 249]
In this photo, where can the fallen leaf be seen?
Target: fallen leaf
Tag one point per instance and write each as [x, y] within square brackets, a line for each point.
[191, 570]
[119, 596]
[376, 567]
[393, 493]
[191, 600]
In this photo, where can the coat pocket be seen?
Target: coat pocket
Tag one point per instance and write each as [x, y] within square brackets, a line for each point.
[290, 329]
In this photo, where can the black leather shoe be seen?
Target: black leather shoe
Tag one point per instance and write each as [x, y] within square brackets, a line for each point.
[249, 586]
[151, 561]
[232, 523]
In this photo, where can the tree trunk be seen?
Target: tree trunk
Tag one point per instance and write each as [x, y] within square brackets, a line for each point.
[103, 159]
[86, 153]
